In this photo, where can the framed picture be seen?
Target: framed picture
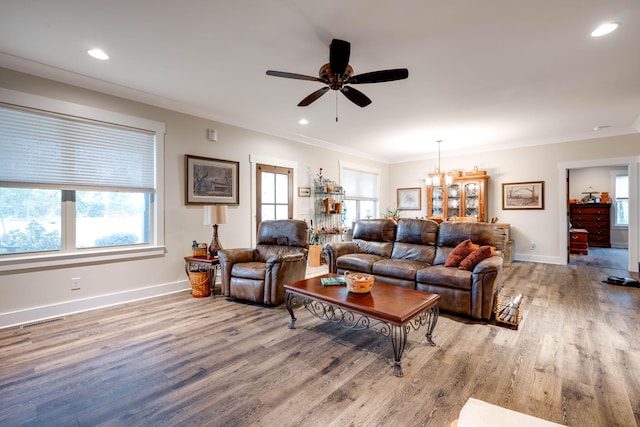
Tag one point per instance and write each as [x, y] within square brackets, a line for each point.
[523, 195]
[304, 191]
[211, 181]
[409, 198]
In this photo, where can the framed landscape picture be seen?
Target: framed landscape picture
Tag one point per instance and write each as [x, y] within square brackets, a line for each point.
[304, 191]
[523, 195]
[211, 181]
[409, 198]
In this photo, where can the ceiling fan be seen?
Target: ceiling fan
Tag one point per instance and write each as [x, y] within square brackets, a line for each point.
[337, 74]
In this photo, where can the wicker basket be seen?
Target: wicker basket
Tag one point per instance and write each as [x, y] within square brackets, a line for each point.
[358, 283]
[200, 252]
[505, 314]
[200, 286]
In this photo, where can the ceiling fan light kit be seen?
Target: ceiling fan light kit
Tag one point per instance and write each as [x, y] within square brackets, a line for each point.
[337, 74]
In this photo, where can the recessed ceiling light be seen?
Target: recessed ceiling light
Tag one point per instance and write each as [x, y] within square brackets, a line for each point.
[98, 54]
[303, 121]
[604, 29]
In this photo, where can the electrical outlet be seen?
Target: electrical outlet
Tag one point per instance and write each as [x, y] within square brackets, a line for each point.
[75, 283]
[533, 245]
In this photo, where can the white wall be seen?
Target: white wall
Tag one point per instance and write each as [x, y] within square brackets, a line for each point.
[41, 293]
[535, 163]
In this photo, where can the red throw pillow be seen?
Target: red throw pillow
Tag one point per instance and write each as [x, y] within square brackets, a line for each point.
[476, 256]
[460, 252]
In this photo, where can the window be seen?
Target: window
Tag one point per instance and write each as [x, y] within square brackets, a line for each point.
[361, 194]
[72, 184]
[274, 195]
[621, 198]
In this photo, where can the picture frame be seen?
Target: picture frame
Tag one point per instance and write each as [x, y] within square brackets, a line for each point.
[211, 181]
[409, 198]
[304, 191]
[523, 195]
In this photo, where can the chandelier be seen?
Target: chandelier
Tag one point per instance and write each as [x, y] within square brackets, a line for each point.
[437, 178]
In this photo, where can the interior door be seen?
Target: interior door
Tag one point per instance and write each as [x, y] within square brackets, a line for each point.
[274, 195]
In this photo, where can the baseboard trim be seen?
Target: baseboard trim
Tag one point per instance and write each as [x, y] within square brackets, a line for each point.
[37, 314]
[539, 259]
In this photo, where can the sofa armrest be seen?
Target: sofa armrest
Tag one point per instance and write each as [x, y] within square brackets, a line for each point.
[486, 282]
[337, 249]
[229, 257]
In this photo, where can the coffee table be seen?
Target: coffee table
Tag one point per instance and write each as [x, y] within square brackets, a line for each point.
[389, 310]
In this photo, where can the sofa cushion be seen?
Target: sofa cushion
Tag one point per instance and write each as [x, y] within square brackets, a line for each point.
[359, 262]
[380, 230]
[418, 231]
[382, 249]
[249, 270]
[481, 233]
[415, 240]
[445, 276]
[460, 252]
[476, 256]
[399, 268]
[413, 252]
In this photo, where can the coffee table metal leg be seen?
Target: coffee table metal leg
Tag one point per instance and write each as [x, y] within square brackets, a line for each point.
[289, 300]
[433, 314]
[398, 341]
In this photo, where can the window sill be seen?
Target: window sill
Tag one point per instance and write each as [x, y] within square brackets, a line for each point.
[51, 260]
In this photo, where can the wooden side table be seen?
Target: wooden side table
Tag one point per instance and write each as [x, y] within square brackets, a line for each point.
[203, 263]
[579, 241]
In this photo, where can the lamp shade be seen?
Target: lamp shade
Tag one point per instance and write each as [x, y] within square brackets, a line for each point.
[216, 214]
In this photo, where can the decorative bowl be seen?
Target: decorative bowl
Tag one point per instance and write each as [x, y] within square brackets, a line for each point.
[359, 283]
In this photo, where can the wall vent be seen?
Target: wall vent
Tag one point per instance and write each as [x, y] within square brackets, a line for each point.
[41, 322]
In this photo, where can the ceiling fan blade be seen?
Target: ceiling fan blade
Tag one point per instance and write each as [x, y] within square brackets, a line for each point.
[293, 76]
[380, 76]
[315, 95]
[339, 53]
[355, 96]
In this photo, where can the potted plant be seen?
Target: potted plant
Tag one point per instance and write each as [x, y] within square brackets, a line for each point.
[393, 214]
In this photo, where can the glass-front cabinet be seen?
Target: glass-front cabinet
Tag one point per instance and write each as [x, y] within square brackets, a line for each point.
[464, 199]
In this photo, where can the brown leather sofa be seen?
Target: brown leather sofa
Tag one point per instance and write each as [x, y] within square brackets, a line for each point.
[412, 253]
[259, 275]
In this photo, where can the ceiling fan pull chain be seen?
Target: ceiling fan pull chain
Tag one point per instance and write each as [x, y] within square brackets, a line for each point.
[336, 106]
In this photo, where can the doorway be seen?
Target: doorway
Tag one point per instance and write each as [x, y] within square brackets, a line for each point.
[602, 256]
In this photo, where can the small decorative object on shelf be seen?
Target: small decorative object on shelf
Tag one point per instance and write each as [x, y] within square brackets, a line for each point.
[508, 309]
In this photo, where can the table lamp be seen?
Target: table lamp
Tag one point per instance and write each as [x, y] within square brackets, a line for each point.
[215, 215]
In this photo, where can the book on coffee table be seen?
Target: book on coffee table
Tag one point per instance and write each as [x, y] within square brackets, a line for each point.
[333, 281]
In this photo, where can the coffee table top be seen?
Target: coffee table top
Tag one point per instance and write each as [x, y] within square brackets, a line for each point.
[386, 302]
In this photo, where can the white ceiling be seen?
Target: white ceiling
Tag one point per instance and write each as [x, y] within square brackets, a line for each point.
[482, 74]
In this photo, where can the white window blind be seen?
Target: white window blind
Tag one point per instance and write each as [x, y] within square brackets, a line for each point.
[359, 184]
[59, 151]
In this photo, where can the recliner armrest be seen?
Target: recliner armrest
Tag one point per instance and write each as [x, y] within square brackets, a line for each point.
[286, 257]
[229, 257]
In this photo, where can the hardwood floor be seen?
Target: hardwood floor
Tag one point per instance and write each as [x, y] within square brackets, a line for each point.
[179, 360]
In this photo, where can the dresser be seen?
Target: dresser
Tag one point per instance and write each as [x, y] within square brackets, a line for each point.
[595, 218]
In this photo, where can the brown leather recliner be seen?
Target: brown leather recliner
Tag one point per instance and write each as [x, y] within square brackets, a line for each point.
[259, 275]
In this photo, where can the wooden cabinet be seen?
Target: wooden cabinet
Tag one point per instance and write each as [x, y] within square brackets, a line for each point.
[595, 218]
[465, 199]
[578, 241]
